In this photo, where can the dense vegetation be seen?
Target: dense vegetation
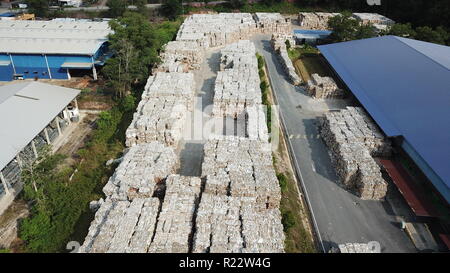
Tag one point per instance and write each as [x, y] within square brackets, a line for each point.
[427, 20]
[136, 43]
[58, 194]
[58, 202]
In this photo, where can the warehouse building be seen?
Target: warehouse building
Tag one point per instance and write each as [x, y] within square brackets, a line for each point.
[51, 49]
[32, 115]
[404, 85]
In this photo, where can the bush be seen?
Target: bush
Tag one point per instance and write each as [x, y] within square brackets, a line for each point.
[261, 73]
[288, 44]
[59, 203]
[260, 61]
[288, 220]
[263, 85]
[283, 181]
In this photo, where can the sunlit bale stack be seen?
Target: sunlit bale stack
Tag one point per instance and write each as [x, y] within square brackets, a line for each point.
[234, 91]
[212, 30]
[353, 143]
[373, 18]
[175, 221]
[273, 23]
[172, 63]
[315, 20]
[256, 123]
[227, 224]
[173, 84]
[180, 56]
[163, 109]
[142, 167]
[262, 228]
[356, 248]
[242, 168]
[323, 88]
[218, 227]
[279, 44]
[279, 39]
[122, 226]
[158, 119]
[367, 130]
[238, 55]
[237, 86]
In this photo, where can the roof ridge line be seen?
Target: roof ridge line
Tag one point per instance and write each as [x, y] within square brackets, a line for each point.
[428, 57]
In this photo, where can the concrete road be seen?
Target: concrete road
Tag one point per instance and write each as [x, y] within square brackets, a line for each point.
[339, 216]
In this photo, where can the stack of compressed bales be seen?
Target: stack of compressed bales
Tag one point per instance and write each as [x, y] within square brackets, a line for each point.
[213, 30]
[242, 168]
[353, 139]
[323, 88]
[142, 167]
[315, 20]
[163, 109]
[227, 224]
[279, 44]
[180, 56]
[175, 221]
[273, 23]
[237, 85]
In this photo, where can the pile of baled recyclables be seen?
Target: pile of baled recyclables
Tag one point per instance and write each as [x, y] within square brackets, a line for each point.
[319, 20]
[278, 42]
[323, 88]
[354, 139]
[234, 205]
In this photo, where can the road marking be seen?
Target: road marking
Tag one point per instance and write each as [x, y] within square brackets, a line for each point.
[314, 168]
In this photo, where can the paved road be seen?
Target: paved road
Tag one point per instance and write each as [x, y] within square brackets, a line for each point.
[340, 216]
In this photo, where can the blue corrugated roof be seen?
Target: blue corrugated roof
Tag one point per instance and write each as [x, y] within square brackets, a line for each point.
[405, 86]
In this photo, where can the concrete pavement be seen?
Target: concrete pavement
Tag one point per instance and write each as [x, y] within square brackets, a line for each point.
[339, 216]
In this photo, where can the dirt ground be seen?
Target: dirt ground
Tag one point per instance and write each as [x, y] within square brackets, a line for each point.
[8, 224]
[76, 138]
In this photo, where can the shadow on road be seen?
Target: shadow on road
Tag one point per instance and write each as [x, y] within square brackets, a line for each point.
[319, 152]
[191, 158]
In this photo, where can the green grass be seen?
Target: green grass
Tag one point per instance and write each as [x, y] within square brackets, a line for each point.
[307, 60]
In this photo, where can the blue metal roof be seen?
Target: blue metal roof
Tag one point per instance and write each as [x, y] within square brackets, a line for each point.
[8, 14]
[404, 84]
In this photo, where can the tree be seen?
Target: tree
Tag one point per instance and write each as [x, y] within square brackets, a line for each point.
[365, 31]
[39, 7]
[346, 28]
[237, 4]
[171, 9]
[402, 30]
[427, 34]
[116, 7]
[135, 44]
[140, 6]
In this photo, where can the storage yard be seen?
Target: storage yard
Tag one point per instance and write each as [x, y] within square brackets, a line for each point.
[233, 206]
[198, 173]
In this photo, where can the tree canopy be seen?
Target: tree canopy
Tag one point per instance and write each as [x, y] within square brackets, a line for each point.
[346, 28]
[136, 44]
[171, 9]
[38, 7]
[116, 7]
